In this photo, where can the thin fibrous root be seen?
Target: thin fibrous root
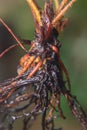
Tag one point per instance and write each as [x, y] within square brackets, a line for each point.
[62, 12]
[35, 11]
[35, 69]
[6, 50]
[11, 32]
[56, 3]
[63, 3]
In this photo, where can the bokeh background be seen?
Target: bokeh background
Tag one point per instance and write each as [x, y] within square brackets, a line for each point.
[17, 15]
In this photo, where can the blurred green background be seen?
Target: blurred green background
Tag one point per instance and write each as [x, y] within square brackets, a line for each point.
[17, 15]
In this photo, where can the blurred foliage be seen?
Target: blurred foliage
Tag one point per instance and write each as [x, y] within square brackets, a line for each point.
[73, 52]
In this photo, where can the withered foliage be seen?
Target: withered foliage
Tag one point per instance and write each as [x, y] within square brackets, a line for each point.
[40, 82]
